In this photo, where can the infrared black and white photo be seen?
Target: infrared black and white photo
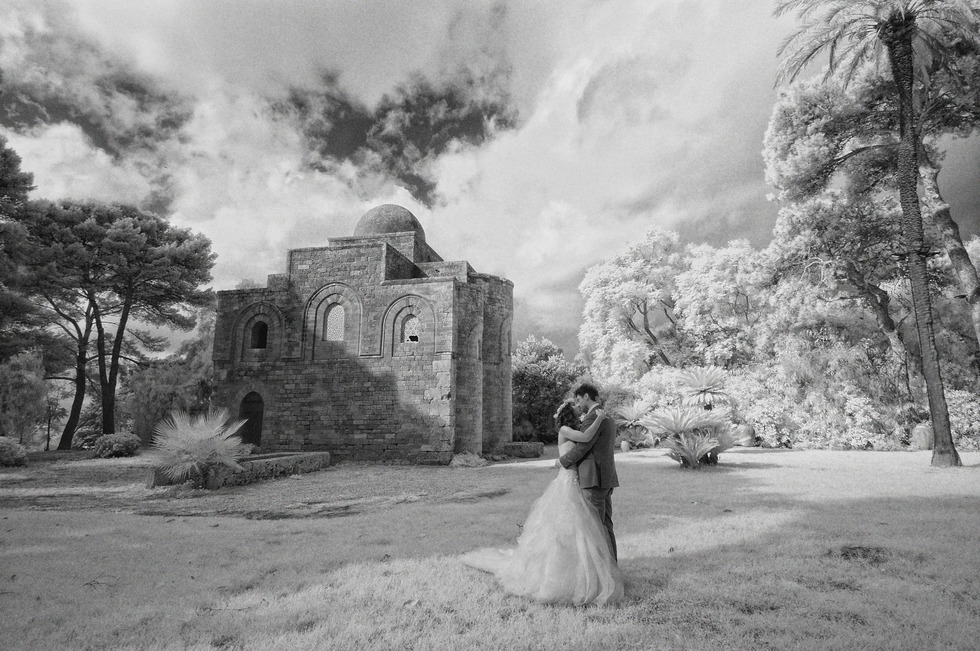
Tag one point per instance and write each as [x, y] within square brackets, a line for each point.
[606, 324]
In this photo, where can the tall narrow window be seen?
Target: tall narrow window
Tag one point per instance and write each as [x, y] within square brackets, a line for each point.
[260, 335]
[333, 329]
[411, 329]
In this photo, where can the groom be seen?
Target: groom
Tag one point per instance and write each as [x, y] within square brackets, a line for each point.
[596, 468]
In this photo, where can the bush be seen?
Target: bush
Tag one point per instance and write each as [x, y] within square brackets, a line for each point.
[964, 416]
[85, 437]
[692, 436]
[661, 388]
[541, 379]
[116, 445]
[632, 421]
[12, 453]
[523, 431]
[190, 448]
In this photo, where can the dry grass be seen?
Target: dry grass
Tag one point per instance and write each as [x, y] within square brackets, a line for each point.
[771, 549]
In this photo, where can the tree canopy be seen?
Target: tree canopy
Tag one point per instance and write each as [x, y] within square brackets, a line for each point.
[94, 268]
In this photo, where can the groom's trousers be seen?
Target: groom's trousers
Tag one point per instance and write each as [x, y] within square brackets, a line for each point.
[601, 499]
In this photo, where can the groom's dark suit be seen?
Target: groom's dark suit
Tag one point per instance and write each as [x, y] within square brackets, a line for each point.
[596, 469]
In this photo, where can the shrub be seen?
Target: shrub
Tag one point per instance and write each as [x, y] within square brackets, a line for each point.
[116, 445]
[613, 397]
[12, 453]
[692, 436]
[523, 431]
[704, 386]
[632, 420]
[964, 416]
[661, 387]
[85, 437]
[191, 448]
[541, 379]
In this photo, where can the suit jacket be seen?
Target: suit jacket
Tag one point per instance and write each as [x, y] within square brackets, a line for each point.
[594, 458]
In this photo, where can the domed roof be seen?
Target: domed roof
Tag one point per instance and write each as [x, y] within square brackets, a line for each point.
[388, 218]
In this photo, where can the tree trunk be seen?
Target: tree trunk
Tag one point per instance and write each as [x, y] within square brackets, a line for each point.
[899, 45]
[879, 301]
[963, 267]
[109, 387]
[100, 354]
[81, 360]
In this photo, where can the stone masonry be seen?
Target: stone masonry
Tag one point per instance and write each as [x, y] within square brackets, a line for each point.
[371, 348]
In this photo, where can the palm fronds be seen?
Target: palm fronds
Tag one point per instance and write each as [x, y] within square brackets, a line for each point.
[631, 413]
[672, 422]
[689, 448]
[852, 32]
[189, 447]
[632, 419]
[705, 386]
[692, 436]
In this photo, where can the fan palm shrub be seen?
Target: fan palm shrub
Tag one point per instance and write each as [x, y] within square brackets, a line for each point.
[703, 386]
[692, 436]
[191, 448]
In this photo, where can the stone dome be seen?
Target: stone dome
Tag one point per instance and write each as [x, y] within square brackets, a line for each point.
[388, 218]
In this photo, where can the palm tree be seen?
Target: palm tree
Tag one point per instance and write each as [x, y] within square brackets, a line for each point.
[912, 36]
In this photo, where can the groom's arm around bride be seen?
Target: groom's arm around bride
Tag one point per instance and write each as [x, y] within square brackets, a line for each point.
[583, 454]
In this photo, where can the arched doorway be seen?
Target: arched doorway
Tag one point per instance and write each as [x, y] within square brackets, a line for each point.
[251, 410]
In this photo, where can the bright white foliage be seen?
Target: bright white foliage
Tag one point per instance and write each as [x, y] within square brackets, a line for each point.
[720, 300]
[618, 292]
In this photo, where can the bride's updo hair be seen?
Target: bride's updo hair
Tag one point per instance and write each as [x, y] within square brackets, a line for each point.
[566, 416]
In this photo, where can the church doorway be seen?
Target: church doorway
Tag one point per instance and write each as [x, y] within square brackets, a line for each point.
[251, 410]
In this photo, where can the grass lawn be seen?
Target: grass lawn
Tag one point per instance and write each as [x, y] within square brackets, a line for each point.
[771, 549]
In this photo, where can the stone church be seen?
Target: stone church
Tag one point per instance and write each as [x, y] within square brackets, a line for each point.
[372, 348]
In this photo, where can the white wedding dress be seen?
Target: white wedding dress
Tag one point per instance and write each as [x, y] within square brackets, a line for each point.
[562, 554]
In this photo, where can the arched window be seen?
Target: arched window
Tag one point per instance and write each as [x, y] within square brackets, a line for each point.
[333, 328]
[411, 330]
[260, 335]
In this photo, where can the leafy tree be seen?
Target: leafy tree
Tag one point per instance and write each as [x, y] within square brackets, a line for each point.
[53, 410]
[154, 274]
[850, 245]
[720, 299]
[61, 261]
[94, 268]
[822, 135]
[854, 33]
[628, 324]
[542, 377]
[182, 381]
[22, 396]
[18, 318]
[15, 185]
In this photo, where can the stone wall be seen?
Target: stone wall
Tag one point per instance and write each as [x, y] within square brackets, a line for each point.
[497, 375]
[369, 395]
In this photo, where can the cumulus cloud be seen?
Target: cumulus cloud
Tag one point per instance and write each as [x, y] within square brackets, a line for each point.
[532, 139]
[402, 137]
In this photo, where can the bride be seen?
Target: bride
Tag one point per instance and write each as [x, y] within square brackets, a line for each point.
[562, 554]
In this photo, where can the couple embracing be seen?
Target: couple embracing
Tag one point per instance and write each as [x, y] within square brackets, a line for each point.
[566, 552]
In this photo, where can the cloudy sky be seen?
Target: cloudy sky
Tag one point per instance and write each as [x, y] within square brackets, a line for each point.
[531, 138]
